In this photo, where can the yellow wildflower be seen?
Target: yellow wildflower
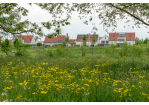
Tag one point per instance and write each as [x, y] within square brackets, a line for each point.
[44, 92]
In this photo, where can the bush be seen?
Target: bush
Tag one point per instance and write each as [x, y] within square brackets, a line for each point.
[26, 45]
[50, 53]
[22, 52]
[123, 51]
[68, 51]
[5, 46]
[39, 44]
[59, 50]
[136, 50]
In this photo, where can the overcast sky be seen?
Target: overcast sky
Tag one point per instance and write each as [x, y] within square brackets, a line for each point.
[36, 14]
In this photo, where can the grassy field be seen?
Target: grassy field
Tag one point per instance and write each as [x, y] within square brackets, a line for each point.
[104, 74]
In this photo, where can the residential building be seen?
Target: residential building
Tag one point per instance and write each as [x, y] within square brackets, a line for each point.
[79, 40]
[54, 40]
[104, 41]
[27, 39]
[118, 38]
[2, 38]
[10, 41]
[74, 41]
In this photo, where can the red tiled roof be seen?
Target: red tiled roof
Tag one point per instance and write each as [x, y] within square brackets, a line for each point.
[10, 40]
[72, 40]
[26, 38]
[88, 38]
[54, 39]
[1, 37]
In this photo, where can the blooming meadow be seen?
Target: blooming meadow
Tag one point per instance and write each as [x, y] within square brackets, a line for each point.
[65, 79]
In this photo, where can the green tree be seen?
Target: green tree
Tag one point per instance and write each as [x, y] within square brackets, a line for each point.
[5, 46]
[84, 40]
[137, 40]
[145, 40]
[66, 40]
[10, 21]
[20, 49]
[93, 39]
[108, 13]
[16, 43]
[39, 44]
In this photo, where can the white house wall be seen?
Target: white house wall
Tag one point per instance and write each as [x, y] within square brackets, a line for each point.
[115, 42]
[87, 43]
[33, 40]
[103, 39]
[79, 43]
[51, 44]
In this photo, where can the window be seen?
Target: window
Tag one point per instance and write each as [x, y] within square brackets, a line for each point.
[27, 40]
[129, 35]
[120, 39]
[79, 39]
[129, 39]
[59, 40]
[106, 41]
[102, 41]
[113, 39]
[113, 35]
[105, 37]
[121, 34]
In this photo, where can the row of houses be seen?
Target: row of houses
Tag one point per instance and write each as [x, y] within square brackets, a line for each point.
[113, 38]
[116, 38]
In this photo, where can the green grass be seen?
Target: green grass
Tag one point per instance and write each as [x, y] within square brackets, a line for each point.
[69, 77]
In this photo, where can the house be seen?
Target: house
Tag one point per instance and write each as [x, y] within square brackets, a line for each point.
[10, 41]
[73, 41]
[104, 40]
[100, 38]
[120, 37]
[54, 40]
[2, 38]
[79, 40]
[27, 39]
[40, 42]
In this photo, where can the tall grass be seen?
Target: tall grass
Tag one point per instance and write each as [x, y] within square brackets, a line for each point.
[73, 78]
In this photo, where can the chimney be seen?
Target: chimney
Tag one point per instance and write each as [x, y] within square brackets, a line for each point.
[89, 34]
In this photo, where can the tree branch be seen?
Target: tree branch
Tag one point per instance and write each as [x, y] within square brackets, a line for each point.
[129, 14]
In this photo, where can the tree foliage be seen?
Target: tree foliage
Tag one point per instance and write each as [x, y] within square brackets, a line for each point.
[108, 13]
[10, 21]
[5, 46]
[146, 40]
[39, 44]
[93, 39]
[66, 40]
[84, 40]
